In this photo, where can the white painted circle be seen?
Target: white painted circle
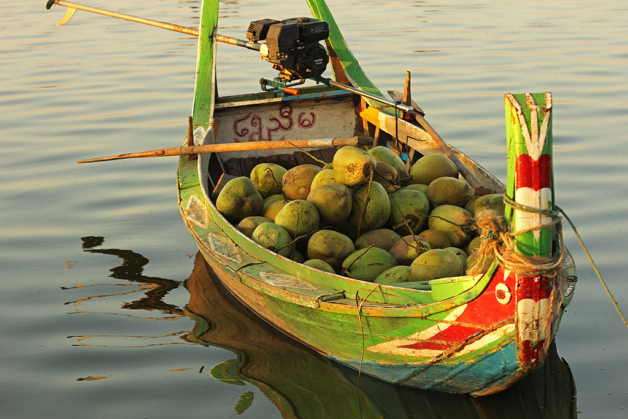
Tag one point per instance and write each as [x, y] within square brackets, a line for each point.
[502, 293]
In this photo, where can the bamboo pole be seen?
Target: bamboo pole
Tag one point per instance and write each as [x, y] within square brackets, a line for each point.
[231, 147]
[72, 7]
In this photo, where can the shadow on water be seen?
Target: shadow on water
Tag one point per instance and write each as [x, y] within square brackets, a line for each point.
[303, 384]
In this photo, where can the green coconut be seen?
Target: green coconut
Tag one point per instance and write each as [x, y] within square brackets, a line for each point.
[267, 178]
[323, 177]
[386, 155]
[448, 191]
[297, 256]
[460, 253]
[454, 221]
[249, 224]
[297, 181]
[321, 265]
[473, 245]
[272, 199]
[298, 218]
[492, 201]
[274, 208]
[382, 238]
[333, 202]
[273, 237]
[387, 176]
[239, 199]
[435, 264]
[417, 187]
[473, 259]
[331, 247]
[431, 167]
[436, 239]
[408, 209]
[393, 275]
[371, 206]
[409, 248]
[348, 230]
[368, 264]
[353, 166]
[470, 204]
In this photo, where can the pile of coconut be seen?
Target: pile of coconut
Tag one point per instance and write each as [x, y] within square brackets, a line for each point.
[354, 217]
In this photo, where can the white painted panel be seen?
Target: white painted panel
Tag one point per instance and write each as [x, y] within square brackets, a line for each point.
[285, 120]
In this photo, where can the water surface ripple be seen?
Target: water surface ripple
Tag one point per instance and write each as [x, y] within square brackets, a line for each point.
[94, 257]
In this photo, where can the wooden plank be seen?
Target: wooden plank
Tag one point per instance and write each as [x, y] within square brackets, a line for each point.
[287, 161]
[319, 156]
[247, 164]
[273, 158]
[310, 160]
[215, 170]
[233, 167]
[299, 158]
[328, 154]
[224, 179]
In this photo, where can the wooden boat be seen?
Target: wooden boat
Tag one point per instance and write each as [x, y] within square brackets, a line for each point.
[475, 335]
[470, 334]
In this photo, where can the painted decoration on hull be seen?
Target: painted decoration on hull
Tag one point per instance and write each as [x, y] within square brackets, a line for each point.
[465, 329]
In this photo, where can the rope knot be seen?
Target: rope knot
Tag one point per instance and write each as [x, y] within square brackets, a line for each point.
[498, 242]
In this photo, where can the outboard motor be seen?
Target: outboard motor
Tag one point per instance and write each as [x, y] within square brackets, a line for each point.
[292, 45]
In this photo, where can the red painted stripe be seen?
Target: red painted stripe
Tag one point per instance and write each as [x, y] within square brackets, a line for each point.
[535, 174]
[529, 353]
[427, 345]
[534, 287]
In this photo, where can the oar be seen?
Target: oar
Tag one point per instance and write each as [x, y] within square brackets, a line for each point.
[72, 7]
[231, 147]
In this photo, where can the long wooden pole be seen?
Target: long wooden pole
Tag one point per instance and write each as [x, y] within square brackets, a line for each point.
[231, 147]
[72, 7]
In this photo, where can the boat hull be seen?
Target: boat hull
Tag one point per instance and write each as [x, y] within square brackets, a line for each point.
[469, 334]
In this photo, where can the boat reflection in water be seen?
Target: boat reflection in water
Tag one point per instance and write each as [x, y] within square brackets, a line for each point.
[303, 384]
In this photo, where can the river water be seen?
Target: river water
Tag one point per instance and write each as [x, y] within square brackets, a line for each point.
[94, 257]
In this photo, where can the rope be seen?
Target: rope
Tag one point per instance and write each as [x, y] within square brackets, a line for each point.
[499, 243]
[594, 267]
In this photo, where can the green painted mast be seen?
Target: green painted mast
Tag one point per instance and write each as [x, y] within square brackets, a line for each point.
[530, 175]
[205, 88]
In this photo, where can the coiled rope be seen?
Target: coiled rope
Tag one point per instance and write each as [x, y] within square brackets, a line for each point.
[499, 242]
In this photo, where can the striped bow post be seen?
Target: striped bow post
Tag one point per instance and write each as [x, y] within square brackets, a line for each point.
[529, 211]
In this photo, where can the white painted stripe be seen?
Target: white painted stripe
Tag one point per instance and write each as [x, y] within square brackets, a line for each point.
[531, 317]
[437, 328]
[534, 199]
[393, 347]
[485, 340]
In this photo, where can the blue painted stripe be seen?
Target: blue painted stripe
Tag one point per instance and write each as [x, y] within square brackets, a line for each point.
[489, 369]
